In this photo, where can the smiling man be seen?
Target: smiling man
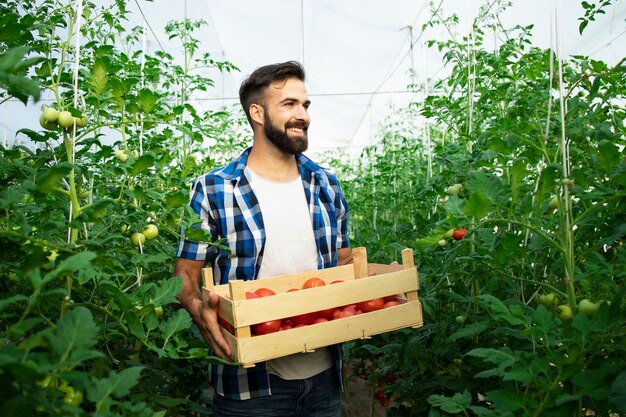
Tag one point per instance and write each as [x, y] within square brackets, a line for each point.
[280, 213]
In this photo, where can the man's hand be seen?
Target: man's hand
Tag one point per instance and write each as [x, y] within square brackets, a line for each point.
[203, 313]
[205, 317]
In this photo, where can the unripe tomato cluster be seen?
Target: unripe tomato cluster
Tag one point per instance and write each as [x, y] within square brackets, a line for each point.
[315, 317]
[564, 311]
[456, 234]
[139, 238]
[51, 118]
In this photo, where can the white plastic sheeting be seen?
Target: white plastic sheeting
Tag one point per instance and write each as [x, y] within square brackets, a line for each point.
[357, 53]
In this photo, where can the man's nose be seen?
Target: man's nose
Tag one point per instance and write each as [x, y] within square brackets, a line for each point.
[303, 114]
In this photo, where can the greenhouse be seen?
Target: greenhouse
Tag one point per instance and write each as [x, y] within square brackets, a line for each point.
[314, 207]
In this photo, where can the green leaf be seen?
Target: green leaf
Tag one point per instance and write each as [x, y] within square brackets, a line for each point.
[469, 330]
[456, 404]
[12, 300]
[142, 164]
[49, 181]
[98, 79]
[147, 100]
[454, 206]
[477, 205]
[167, 292]
[74, 263]
[115, 385]
[507, 400]
[489, 186]
[176, 198]
[608, 155]
[499, 310]
[618, 393]
[75, 334]
[179, 321]
[518, 172]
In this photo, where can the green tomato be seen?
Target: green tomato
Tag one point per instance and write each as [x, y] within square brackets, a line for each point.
[81, 121]
[554, 203]
[461, 318]
[442, 243]
[549, 300]
[73, 397]
[587, 307]
[151, 232]
[448, 234]
[120, 155]
[65, 119]
[50, 114]
[159, 311]
[454, 189]
[125, 229]
[46, 124]
[565, 312]
[138, 238]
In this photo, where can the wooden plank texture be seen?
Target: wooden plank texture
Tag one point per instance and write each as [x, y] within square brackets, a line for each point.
[274, 345]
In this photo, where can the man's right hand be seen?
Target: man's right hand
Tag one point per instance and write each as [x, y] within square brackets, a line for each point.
[205, 317]
[203, 312]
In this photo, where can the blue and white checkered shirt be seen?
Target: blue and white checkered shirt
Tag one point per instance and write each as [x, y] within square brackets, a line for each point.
[225, 202]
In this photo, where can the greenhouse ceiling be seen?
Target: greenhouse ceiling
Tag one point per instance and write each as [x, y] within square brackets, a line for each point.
[361, 56]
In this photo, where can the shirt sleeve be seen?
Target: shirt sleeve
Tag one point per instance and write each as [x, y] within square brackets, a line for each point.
[199, 203]
[343, 211]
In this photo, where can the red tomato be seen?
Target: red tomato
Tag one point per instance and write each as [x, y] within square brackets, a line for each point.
[459, 234]
[250, 295]
[345, 313]
[371, 305]
[337, 281]
[264, 292]
[326, 314]
[350, 307]
[314, 282]
[391, 304]
[390, 298]
[320, 320]
[286, 326]
[303, 319]
[225, 325]
[267, 327]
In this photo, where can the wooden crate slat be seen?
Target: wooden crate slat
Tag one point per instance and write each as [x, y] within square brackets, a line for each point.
[285, 305]
[274, 345]
[283, 283]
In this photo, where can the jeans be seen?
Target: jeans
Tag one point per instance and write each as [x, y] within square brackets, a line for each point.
[318, 396]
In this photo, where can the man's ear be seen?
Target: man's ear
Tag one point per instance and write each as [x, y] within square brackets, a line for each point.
[257, 113]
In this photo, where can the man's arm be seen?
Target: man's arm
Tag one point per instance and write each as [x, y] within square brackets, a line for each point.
[203, 313]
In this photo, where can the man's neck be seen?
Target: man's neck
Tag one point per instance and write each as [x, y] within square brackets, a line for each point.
[267, 161]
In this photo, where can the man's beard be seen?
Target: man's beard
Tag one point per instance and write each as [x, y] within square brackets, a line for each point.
[280, 138]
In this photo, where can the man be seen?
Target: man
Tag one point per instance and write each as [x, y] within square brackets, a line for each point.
[280, 213]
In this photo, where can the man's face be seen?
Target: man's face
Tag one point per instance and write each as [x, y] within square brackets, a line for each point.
[286, 119]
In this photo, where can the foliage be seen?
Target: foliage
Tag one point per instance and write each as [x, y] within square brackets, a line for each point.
[542, 194]
[90, 324]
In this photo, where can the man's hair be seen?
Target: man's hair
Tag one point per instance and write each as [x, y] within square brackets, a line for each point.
[253, 88]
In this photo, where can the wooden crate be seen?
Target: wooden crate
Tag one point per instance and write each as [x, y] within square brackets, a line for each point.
[241, 313]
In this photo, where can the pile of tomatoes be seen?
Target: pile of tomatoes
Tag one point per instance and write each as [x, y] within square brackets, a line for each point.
[317, 316]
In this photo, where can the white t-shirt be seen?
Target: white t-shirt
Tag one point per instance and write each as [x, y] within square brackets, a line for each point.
[289, 248]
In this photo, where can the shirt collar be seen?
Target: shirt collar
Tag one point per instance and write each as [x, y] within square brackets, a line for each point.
[234, 170]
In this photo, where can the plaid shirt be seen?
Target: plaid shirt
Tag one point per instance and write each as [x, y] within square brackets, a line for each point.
[225, 202]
